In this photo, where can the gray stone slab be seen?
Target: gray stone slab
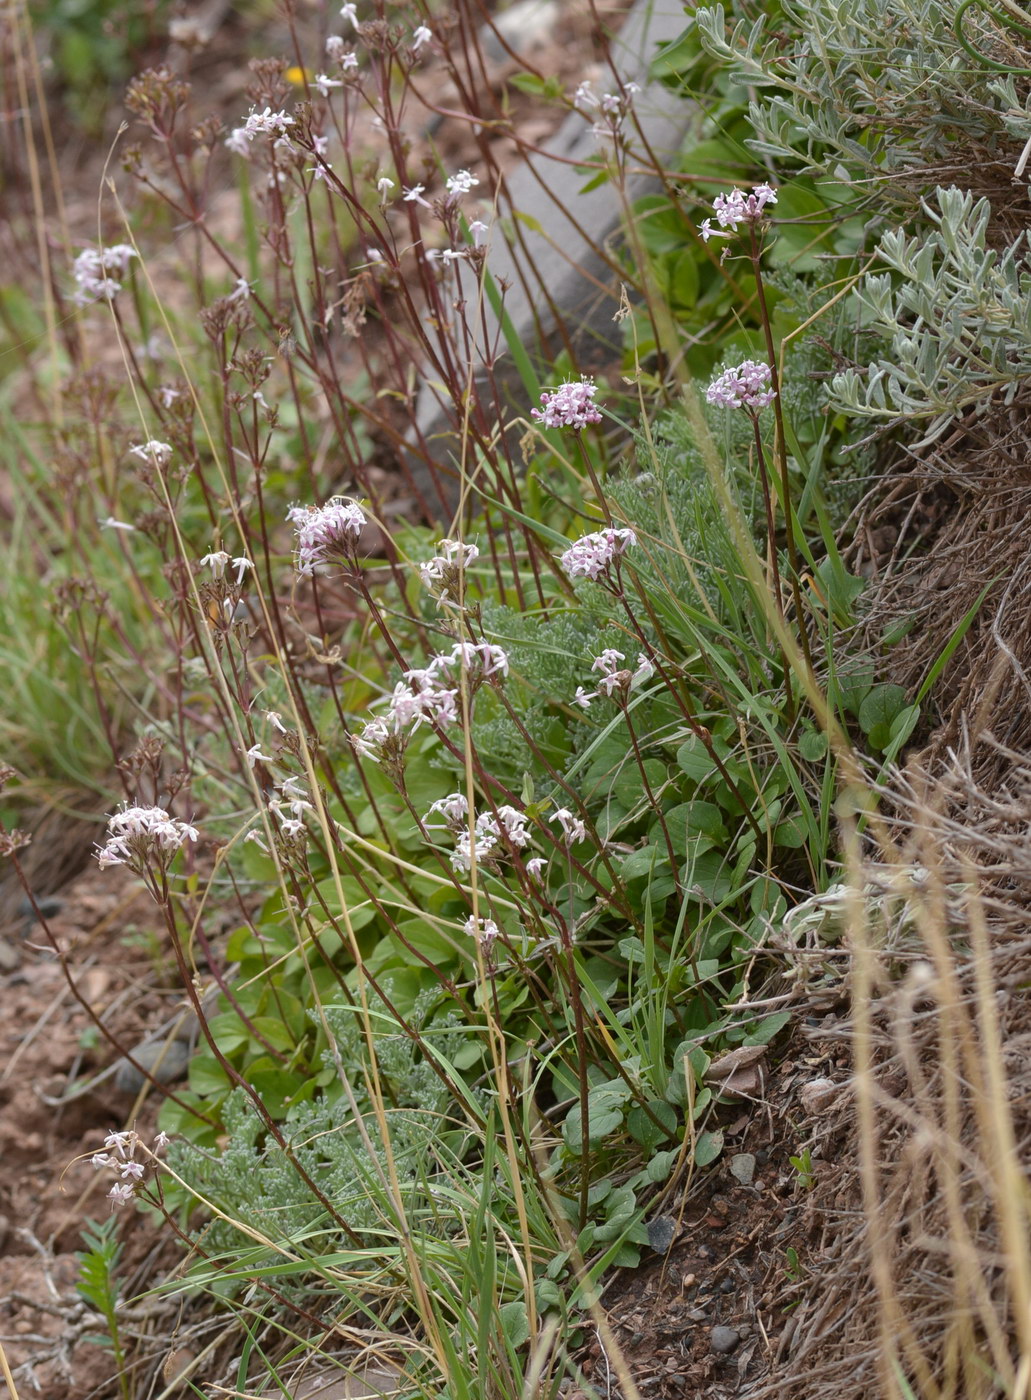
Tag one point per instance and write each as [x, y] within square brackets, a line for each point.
[553, 269]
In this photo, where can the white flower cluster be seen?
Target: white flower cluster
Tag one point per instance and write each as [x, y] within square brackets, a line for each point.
[120, 1154]
[218, 560]
[747, 385]
[614, 676]
[592, 555]
[338, 52]
[737, 208]
[324, 533]
[92, 271]
[612, 106]
[267, 123]
[571, 405]
[139, 836]
[157, 454]
[461, 183]
[289, 809]
[573, 829]
[442, 572]
[491, 836]
[430, 695]
[485, 931]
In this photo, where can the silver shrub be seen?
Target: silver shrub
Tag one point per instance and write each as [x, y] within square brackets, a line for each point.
[955, 317]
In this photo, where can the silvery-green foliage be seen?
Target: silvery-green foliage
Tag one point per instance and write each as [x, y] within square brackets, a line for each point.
[956, 315]
[874, 85]
[254, 1180]
[550, 656]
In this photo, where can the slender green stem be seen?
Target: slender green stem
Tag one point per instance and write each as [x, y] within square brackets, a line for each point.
[780, 445]
[771, 536]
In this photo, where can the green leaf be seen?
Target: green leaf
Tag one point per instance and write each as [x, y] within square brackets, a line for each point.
[643, 1128]
[207, 1077]
[767, 1028]
[660, 1166]
[643, 862]
[229, 1032]
[677, 276]
[629, 786]
[694, 759]
[878, 713]
[708, 1147]
[274, 1032]
[548, 88]
[812, 745]
[600, 1124]
[514, 1322]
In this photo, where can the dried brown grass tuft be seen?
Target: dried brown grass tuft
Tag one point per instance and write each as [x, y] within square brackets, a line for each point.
[920, 1209]
[949, 541]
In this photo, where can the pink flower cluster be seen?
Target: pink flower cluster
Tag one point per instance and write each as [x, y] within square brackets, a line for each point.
[120, 1154]
[591, 555]
[427, 695]
[737, 208]
[747, 385]
[571, 405]
[325, 533]
[142, 836]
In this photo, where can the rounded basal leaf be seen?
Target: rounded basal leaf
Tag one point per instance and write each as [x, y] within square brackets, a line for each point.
[652, 1123]
[708, 1147]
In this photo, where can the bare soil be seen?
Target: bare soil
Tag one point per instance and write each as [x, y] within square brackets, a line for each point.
[51, 1122]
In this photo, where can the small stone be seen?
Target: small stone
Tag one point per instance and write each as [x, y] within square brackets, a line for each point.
[723, 1340]
[662, 1231]
[818, 1095]
[166, 1062]
[742, 1168]
[48, 907]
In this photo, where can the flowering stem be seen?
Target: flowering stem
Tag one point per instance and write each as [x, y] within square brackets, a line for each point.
[651, 796]
[698, 730]
[771, 535]
[582, 1066]
[780, 445]
[599, 493]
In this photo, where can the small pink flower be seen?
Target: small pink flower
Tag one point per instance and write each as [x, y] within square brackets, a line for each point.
[573, 829]
[591, 555]
[571, 405]
[485, 931]
[747, 385]
[737, 208]
[324, 533]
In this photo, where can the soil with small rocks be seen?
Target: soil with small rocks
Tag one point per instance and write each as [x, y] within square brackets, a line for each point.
[52, 1121]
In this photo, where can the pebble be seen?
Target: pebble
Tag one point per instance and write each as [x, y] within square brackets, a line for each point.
[49, 907]
[166, 1062]
[662, 1231]
[742, 1168]
[723, 1340]
[818, 1095]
